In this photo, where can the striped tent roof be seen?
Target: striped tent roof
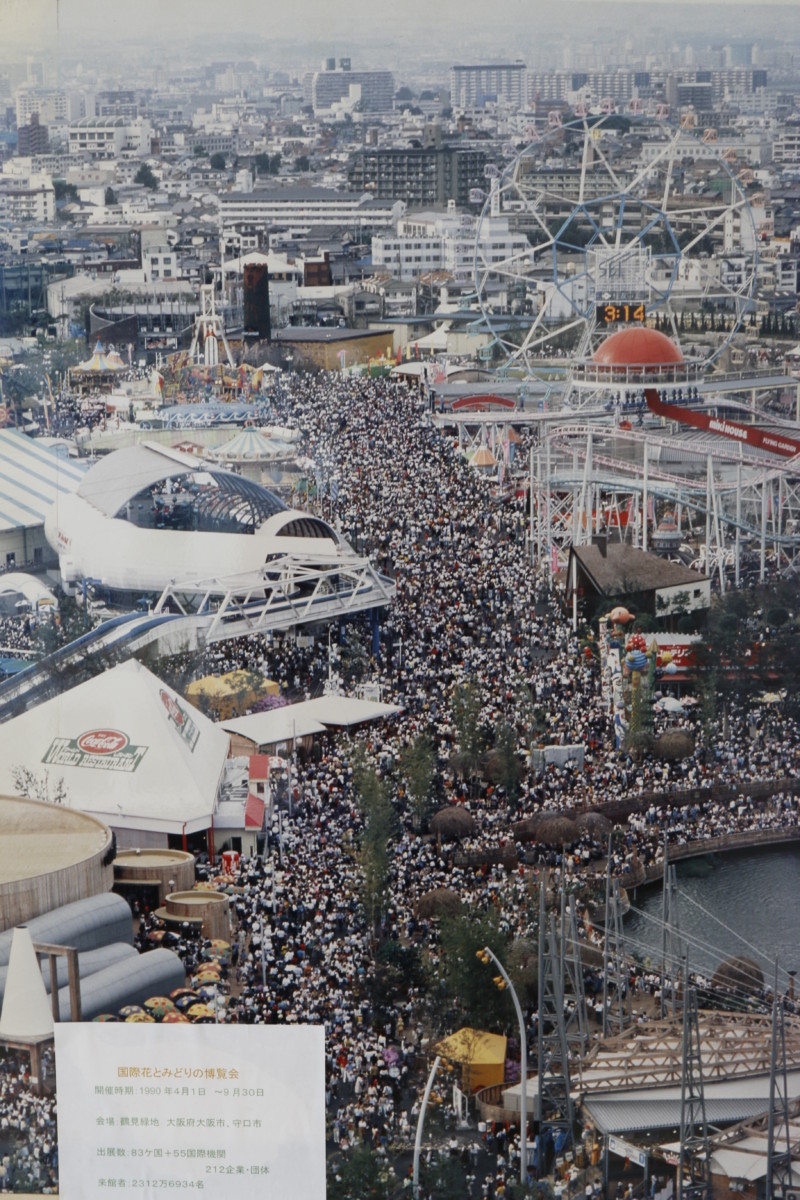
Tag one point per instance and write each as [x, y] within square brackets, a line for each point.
[101, 362]
[31, 479]
[483, 457]
[252, 446]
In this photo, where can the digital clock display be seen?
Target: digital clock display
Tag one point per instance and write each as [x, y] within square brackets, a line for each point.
[624, 310]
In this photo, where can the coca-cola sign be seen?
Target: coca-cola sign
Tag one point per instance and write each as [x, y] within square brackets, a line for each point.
[96, 750]
[180, 719]
[103, 741]
[172, 707]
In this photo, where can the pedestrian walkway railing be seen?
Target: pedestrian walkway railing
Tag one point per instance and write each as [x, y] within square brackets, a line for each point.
[742, 840]
[756, 789]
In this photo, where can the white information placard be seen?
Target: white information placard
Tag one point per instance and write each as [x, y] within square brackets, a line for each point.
[152, 1110]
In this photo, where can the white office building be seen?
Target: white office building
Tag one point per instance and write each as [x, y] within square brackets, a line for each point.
[446, 241]
[246, 213]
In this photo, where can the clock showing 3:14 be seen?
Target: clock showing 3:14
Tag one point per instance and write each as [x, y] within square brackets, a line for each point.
[610, 314]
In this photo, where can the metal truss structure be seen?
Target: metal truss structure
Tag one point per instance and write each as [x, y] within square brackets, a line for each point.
[576, 1023]
[779, 1124]
[651, 1054]
[610, 230]
[671, 948]
[694, 1167]
[751, 1138]
[209, 332]
[285, 593]
[734, 501]
[555, 1098]
[616, 992]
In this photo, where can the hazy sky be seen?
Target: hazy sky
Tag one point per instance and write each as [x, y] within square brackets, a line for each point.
[31, 24]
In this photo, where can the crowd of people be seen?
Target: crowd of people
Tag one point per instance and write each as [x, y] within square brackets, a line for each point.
[28, 1145]
[17, 635]
[471, 611]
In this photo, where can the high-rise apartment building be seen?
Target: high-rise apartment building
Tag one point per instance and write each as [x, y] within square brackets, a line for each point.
[32, 138]
[420, 176]
[477, 86]
[332, 84]
[50, 103]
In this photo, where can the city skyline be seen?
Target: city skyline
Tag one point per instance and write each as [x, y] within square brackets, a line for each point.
[39, 25]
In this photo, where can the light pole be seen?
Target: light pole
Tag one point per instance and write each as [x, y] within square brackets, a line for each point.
[420, 1122]
[504, 982]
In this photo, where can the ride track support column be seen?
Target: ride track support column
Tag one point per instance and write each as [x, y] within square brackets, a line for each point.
[547, 517]
[645, 498]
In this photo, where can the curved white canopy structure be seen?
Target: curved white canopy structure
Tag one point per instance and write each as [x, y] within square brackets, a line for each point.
[28, 589]
[148, 516]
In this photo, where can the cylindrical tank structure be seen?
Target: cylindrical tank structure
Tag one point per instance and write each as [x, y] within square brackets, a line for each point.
[89, 963]
[211, 910]
[156, 973]
[168, 870]
[52, 856]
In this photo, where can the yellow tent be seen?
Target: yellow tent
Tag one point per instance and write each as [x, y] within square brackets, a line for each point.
[482, 1057]
[230, 695]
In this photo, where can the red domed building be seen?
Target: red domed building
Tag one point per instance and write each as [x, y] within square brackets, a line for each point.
[637, 346]
[635, 356]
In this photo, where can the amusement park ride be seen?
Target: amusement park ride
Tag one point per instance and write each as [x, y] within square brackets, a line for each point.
[639, 418]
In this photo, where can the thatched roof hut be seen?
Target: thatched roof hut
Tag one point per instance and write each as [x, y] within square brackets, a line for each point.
[674, 745]
[452, 823]
[595, 823]
[557, 831]
[525, 830]
[441, 902]
[738, 974]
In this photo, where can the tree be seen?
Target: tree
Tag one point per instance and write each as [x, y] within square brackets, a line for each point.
[637, 736]
[416, 765]
[267, 164]
[146, 177]
[39, 787]
[502, 761]
[301, 163]
[217, 162]
[110, 197]
[64, 190]
[464, 979]
[443, 1179]
[360, 1176]
[374, 853]
[396, 969]
[466, 719]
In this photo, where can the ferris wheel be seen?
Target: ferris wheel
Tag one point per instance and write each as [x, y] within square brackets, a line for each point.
[593, 225]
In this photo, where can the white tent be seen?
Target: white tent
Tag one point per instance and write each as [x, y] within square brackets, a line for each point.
[274, 726]
[30, 589]
[308, 717]
[122, 746]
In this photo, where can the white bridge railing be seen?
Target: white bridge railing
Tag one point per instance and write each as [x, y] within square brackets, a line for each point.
[283, 594]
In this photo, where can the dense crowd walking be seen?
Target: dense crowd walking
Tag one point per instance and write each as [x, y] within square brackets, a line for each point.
[471, 612]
